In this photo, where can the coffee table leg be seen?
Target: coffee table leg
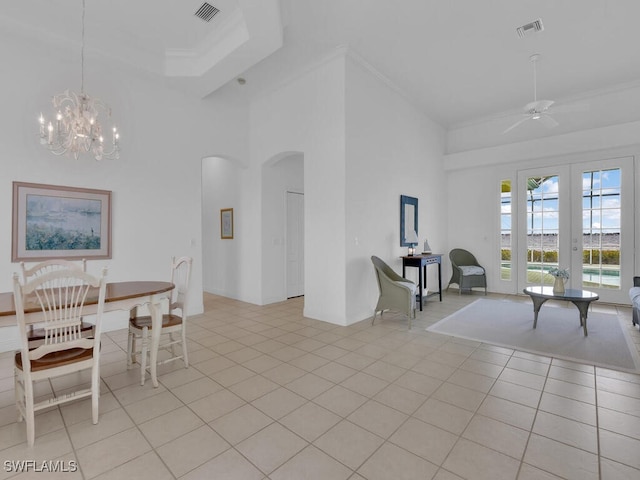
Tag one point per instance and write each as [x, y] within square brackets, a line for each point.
[537, 303]
[583, 308]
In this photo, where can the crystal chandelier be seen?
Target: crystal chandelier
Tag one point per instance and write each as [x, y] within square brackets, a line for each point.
[76, 128]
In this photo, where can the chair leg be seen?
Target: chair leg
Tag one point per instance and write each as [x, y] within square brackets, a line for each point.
[131, 346]
[29, 413]
[18, 392]
[375, 312]
[95, 392]
[173, 345]
[185, 356]
[143, 354]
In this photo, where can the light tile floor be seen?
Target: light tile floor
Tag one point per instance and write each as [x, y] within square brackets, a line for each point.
[271, 394]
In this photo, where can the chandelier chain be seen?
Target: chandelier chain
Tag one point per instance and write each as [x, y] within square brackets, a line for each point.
[82, 51]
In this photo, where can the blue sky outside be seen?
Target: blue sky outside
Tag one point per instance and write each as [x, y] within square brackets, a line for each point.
[600, 204]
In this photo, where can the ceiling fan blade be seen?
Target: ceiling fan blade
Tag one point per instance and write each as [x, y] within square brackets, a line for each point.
[547, 121]
[522, 120]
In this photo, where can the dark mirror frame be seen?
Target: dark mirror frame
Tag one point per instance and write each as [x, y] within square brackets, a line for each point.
[405, 200]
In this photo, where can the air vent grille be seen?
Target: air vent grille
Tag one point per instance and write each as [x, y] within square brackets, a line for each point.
[206, 12]
[530, 28]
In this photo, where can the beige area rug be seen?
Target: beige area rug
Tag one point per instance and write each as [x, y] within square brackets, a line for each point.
[558, 333]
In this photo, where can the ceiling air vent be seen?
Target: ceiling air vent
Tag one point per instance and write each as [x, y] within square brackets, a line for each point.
[530, 28]
[206, 12]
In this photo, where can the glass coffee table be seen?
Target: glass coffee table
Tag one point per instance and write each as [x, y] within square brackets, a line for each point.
[580, 298]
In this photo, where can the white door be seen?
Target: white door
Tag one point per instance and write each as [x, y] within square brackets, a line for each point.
[579, 217]
[295, 244]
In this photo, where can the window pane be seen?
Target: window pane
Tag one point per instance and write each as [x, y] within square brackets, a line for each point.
[543, 215]
[601, 211]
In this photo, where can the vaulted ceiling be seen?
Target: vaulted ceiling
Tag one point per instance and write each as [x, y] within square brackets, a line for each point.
[458, 60]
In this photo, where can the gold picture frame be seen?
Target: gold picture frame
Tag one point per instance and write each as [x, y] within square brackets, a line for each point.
[226, 223]
[53, 221]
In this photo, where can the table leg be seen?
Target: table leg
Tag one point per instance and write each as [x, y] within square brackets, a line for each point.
[155, 308]
[583, 308]
[420, 286]
[440, 280]
[537, 303]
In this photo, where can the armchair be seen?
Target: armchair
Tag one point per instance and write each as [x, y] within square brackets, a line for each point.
[466, 271]
[634, 295]
[396, 293]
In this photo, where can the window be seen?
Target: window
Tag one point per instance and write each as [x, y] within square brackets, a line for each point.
[505, 230]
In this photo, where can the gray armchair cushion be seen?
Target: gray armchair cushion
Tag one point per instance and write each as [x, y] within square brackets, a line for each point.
[471, 270]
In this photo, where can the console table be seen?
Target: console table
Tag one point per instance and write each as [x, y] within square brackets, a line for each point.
[421, 262]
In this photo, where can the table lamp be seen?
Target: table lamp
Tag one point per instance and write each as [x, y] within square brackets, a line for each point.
[412, 240]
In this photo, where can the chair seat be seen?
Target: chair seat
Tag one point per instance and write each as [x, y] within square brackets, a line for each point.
[168, 320]
[471, 270]
[56, 359]
[38, 333]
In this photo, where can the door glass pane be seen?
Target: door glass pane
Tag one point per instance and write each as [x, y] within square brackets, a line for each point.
[601, 217]
[505, 230]
[543, 216]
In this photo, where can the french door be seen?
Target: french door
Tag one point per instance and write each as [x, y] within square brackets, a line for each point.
[578, 217]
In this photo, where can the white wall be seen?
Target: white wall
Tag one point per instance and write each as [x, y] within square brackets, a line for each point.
[307, 115]
[221, 182]
[155, 183]
[392, 149]
[363, 146]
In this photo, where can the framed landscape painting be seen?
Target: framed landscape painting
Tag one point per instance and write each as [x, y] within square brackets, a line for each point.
[51, 221]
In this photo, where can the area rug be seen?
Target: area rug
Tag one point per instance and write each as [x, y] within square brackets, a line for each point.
[558, 333]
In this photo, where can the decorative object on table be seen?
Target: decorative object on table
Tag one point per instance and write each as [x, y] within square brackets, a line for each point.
[426, 249]
[412, 240]
[408, 219]
[77, 128]
[59, 297]
[172, 322]
[466, 271]
[51, 221]
[561, 276]
[396, 293]
[226, 223]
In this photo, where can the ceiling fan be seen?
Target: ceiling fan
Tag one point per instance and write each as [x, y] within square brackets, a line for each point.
[541, 110]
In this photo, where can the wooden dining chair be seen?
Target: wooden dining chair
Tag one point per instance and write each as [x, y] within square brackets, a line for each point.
[56, 298]
[36, 334]
[174, 323]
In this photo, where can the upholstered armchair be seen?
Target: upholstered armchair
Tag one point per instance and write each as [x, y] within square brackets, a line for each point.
[396, 293]
[466, 271]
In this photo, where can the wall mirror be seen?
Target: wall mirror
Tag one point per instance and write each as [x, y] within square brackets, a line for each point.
[408, 218]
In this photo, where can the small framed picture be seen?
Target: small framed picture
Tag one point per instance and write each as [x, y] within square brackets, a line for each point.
[226, 223]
